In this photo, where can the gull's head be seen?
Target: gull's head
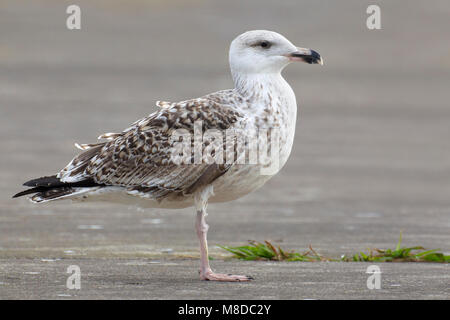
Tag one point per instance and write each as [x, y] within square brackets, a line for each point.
[262, 51]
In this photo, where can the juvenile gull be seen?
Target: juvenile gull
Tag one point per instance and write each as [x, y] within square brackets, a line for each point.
[137, 165]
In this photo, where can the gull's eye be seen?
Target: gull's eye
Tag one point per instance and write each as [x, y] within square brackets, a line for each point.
[265, 44]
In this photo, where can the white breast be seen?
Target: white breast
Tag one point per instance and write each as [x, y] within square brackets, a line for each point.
[272, 106]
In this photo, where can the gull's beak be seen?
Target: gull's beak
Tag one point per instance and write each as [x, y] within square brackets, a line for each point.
[306, 55]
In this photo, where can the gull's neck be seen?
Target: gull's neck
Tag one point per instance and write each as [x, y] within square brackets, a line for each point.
[260, 87]
[267, 93]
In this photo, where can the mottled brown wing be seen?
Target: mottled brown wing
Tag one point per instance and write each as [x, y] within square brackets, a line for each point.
[140, 157]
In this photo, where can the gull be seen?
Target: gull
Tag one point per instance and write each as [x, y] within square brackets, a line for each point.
[137, 165]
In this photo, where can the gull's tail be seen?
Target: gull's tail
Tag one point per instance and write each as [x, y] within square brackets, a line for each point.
[51, 188]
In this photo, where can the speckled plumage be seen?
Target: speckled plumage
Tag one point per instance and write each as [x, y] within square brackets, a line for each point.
[138, 161]
[139, 158]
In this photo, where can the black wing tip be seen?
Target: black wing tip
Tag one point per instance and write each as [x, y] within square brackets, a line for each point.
[47, 181]
[52, 182]
[39, 185]
[17, 195]
[29, 191]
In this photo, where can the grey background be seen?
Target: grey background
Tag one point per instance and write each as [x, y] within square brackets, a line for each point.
[371, 156]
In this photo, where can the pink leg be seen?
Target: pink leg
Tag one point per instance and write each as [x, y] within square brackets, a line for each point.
[205, 270]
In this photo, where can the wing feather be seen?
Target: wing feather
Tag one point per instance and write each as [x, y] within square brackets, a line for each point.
[139, 158]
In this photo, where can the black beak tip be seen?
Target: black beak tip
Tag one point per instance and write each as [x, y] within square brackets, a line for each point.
[314, 58]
